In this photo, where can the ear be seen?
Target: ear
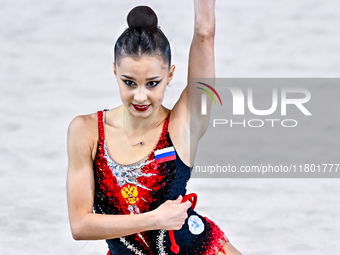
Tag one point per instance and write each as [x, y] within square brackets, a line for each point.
[171, 73]
[114, 68]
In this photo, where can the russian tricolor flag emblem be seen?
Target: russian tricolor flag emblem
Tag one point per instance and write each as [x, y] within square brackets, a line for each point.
[165, 154]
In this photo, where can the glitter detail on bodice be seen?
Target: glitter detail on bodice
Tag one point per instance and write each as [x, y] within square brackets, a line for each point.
[126, 173]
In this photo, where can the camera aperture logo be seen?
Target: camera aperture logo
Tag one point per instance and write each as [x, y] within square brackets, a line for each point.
[204, 97]
[238, 106]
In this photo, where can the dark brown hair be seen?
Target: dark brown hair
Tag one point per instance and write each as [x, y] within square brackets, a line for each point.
[143, 36]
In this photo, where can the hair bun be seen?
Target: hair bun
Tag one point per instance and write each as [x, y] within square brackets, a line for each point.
[142, 17]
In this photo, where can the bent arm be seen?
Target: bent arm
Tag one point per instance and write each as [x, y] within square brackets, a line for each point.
[86, 225]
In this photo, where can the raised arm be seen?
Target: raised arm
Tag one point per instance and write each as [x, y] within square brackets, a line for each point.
[86, 225]
[201, 65]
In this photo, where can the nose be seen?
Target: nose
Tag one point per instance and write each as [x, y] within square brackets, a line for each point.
[140, 95]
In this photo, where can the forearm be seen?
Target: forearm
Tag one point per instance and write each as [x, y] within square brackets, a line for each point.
[93, 226]
[204, 17]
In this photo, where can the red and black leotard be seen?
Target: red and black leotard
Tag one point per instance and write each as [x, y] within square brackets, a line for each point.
[121, 189]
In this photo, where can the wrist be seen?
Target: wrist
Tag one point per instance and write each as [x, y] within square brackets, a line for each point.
[151, 218]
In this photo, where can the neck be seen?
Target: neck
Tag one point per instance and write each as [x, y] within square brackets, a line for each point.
[139, 126]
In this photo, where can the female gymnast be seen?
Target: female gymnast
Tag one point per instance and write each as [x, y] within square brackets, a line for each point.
[129, 166]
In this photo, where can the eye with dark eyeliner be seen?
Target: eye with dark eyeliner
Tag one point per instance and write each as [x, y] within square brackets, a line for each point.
[153, 83]
[149, 84]
[129, 83]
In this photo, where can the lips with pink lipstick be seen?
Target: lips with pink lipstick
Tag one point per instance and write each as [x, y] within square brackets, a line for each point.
[141, 107]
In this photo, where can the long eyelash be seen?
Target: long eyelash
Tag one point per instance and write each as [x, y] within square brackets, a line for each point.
[157, 82]
[128, 84]
[125, 81]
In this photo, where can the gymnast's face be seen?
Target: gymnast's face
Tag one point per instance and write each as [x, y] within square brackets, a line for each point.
[142, 82]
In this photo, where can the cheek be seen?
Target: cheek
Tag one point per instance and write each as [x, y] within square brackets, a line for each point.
[124, 93]
[160, 97]
[121, 93]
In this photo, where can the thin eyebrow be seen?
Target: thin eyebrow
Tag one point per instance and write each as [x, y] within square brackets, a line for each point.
[148, 79]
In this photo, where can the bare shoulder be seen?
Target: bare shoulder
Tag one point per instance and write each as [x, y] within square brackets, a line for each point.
[83, 124]
[83, 131]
